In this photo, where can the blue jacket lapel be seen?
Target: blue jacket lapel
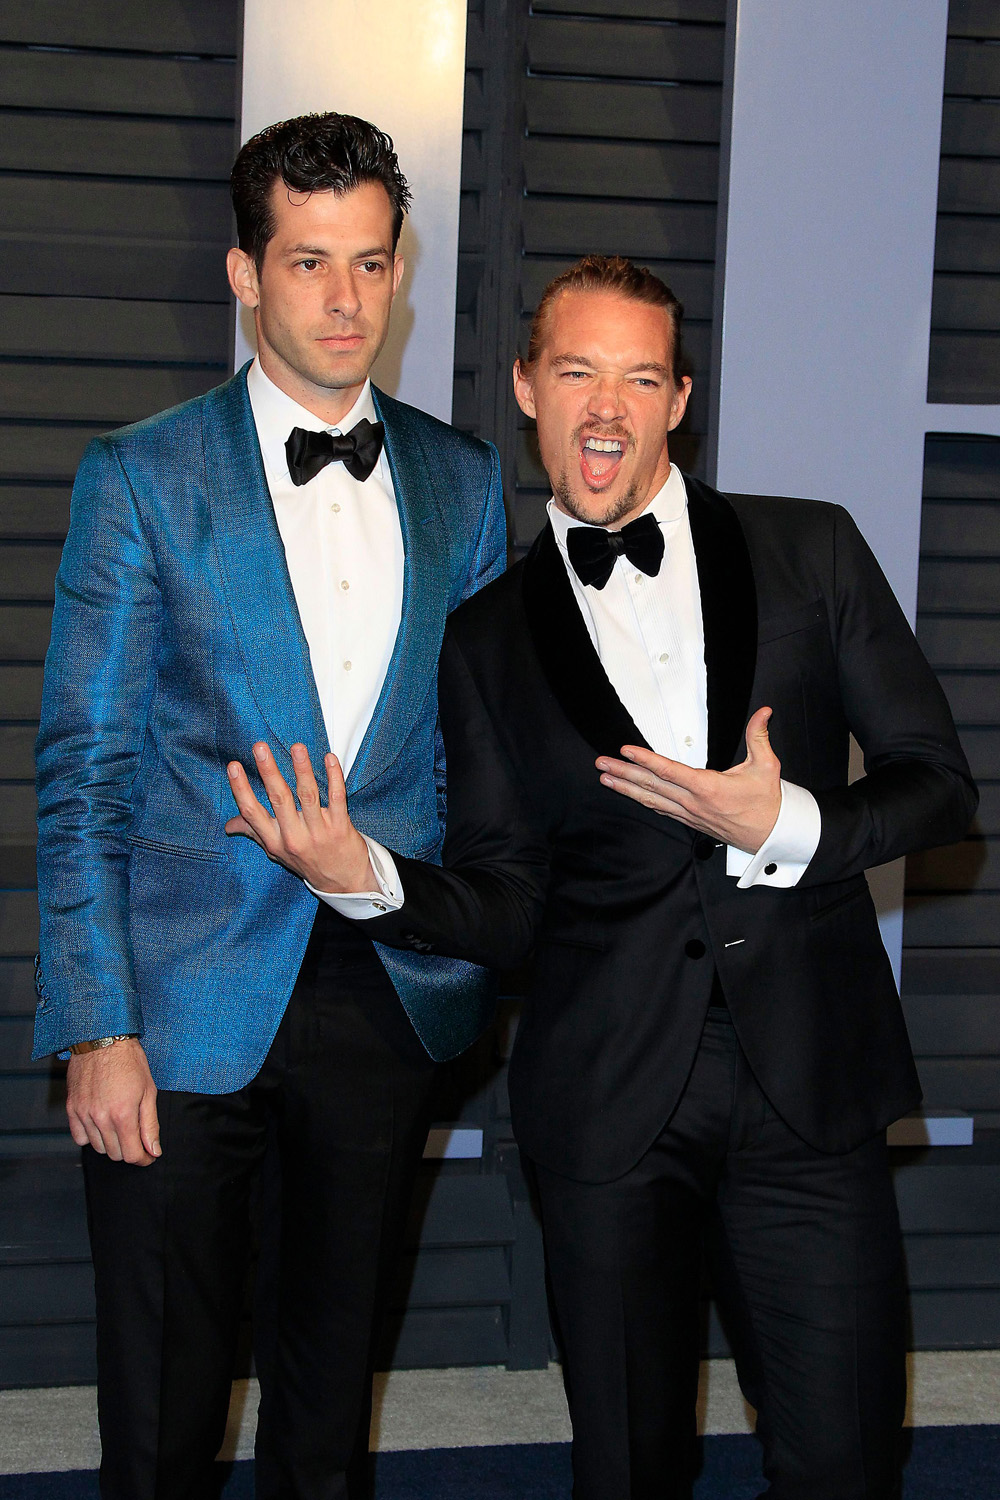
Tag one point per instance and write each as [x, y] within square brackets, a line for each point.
[426, 580]
[255, 575]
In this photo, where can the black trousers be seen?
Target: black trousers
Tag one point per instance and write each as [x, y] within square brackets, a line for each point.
[325, 1139]
[806, 1262]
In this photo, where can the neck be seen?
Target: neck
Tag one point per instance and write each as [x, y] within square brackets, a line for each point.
[330, 406]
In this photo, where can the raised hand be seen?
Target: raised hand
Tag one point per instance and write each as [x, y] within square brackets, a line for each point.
[319, 844]
[739, 806]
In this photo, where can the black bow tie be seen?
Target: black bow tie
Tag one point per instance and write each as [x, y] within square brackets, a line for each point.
[593, 551]
[357, 450]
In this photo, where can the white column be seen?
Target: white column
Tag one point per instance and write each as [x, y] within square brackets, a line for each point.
[827, 242]
[401, 65]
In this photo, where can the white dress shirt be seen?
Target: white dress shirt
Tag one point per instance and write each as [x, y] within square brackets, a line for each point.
[648, 635]
[344, 550]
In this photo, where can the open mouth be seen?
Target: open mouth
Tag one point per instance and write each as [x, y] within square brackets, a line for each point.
[600, 459]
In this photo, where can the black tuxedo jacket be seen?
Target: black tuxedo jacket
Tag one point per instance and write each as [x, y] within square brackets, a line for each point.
[629, 912]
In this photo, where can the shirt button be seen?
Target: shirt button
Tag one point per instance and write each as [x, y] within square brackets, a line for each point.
[688, 740]
[347, 666]
[664, 655]
[638, 578]
[344, 584]
[335, 506]
[770, 869]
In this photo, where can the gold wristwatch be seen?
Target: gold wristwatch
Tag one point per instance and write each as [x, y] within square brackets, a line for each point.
[102, 1041]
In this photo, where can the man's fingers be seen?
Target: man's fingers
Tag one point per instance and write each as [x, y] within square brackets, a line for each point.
[278, 791]
[758, 739]
[240, 825]
[305, 787]
[336, 790]
[648, 779]
[253, 818]
[149, 1124]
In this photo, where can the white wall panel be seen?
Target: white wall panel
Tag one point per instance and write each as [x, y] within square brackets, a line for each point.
[402, 66]
[827, 225]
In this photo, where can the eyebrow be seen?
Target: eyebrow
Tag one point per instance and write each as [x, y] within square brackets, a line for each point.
[324, 250]
[581, 359]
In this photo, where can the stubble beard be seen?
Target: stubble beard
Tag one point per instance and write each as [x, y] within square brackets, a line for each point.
[616, 511]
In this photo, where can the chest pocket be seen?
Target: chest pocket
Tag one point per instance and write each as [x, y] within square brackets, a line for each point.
[791, 621]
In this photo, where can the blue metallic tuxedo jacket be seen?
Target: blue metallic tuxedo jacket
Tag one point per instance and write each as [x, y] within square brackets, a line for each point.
[176, 644]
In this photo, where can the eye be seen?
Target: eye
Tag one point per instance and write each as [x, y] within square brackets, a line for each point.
[574, 375]
[647, 383]
[373, 267]
[307, 265]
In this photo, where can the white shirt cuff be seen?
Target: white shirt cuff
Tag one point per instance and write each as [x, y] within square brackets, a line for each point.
[360, 905]
[782, 858]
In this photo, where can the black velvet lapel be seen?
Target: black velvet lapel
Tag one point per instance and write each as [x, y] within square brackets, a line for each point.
[570, 663]
[729, 618]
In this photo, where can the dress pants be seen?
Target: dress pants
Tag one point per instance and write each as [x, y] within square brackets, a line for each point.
[806, 1262]
[325, 1141]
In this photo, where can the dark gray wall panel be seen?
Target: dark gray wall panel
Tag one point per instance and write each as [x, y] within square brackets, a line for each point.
[33, 1103]
[47, 1354]
[43, 451]
[946, 524]
[104, 266]
[185, 27]
[639, 10]
[555, 226]
[27, 571]
[633, 111]
[945, 1262]
[966, 367]
[972, 862]
[962, 1025]
[949, 1198]
[974, 697]
[182, 211]
[966, 302]
[955, 1320]
[597, 169]
[24, 632]
[112, 394]
[959, 921]
[17, 741]
[21, 691]
[664, 54]
[191, 149]
[957, 643]
[35, 510]
[971, 1083]
[123, 84]
[964, 363]
[970, 126]
[17, 988]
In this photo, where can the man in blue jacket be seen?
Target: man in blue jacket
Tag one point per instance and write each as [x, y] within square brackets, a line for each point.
[273, 562]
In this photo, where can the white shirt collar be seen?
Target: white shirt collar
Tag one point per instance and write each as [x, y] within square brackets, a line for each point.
[275, 414]
[668, 504]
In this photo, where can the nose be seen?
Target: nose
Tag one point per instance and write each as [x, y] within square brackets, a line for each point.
[605, 403]
[341, 293]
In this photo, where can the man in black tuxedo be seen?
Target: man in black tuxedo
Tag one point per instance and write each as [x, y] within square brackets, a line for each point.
[712, 1044]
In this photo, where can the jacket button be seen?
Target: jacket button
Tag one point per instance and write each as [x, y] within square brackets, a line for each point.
[694, 948]
[704, 847]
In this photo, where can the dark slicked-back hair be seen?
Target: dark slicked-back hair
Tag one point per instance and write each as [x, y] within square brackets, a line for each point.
[311, 154]
[610, 273]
